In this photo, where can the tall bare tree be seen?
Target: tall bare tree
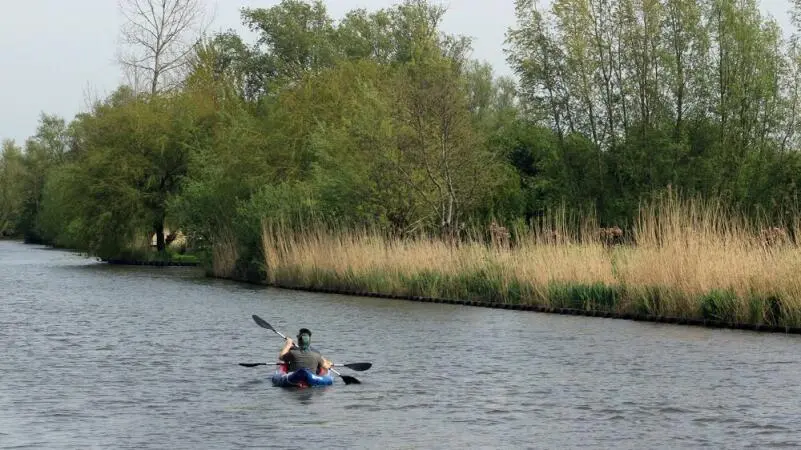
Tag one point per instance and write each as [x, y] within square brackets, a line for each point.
[159, 36]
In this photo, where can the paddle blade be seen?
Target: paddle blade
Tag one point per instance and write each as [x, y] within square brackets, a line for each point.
[260, 322]
[350, 380]
[359, 367]
[252, 364]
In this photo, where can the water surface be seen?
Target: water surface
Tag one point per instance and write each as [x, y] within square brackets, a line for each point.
[101, 356]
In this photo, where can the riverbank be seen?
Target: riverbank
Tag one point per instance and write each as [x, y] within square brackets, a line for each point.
[137, 258]
[540, 279]
[154, 262]
[684, 263]
[143, 253]
[687, 266]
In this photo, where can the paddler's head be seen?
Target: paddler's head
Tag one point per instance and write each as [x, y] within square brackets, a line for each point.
[304, 338]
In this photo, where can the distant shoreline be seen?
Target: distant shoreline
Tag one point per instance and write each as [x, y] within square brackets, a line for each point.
[580, 300]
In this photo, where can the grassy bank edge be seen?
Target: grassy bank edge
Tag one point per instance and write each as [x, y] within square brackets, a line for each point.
[145, 255]
[594, 300]
[591, 300]
[130, 258]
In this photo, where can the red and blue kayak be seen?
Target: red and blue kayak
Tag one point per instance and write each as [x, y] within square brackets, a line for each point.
[300, 378]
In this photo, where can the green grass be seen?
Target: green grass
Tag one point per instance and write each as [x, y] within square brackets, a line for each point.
[490, 287]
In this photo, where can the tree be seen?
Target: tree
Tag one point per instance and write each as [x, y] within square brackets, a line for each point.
[363, 35]
[792, 82]
[296, 37]
[688, 47]
[135, 156]
[160, 35]
[540, 65]
[43, 151]
[12, 175]
[234, 158]
[439, 153]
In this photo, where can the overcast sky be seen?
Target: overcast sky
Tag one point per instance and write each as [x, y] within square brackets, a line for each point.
[58, 53]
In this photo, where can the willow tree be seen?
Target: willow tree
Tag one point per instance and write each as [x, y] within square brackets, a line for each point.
[135, 155]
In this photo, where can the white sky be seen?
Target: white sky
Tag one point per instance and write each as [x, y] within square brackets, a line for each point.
[55, 54]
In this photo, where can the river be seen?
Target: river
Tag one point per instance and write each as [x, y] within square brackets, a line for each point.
[102, 356]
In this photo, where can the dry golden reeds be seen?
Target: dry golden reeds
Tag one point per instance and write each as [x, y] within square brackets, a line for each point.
[687, 258]
[224, 254]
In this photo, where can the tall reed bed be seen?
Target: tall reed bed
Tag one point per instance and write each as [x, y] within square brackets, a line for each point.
[686, 259]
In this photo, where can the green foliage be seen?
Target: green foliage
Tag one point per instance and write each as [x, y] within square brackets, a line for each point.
[43, 151]
[635, 80]
[484, 284]
[135, 156]
[58, 221]
[719, 305]
[425, 283]
[593, 297]
[381, 120]
[296, 37]
[653, 300]
[12, 193]
[224, 170]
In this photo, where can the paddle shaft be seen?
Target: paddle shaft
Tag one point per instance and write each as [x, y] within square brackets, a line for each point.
[359, 367]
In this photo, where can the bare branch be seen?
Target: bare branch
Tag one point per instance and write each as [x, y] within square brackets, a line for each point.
[160, 35]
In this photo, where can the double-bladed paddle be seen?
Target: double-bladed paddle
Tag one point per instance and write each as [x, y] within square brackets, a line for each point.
[359, 367]
[346, 378]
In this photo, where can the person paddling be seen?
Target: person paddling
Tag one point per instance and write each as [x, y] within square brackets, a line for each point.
[302, 356]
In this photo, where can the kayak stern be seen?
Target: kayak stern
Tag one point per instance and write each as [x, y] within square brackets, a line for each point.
[300, 378]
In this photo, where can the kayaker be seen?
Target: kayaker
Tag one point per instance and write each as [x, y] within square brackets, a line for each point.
[302, 356]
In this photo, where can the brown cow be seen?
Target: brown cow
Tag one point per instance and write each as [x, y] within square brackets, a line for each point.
[500, 235]
[611, 236]
[773, 237]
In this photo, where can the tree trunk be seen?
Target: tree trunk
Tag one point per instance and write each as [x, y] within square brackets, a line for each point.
[158, 228]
